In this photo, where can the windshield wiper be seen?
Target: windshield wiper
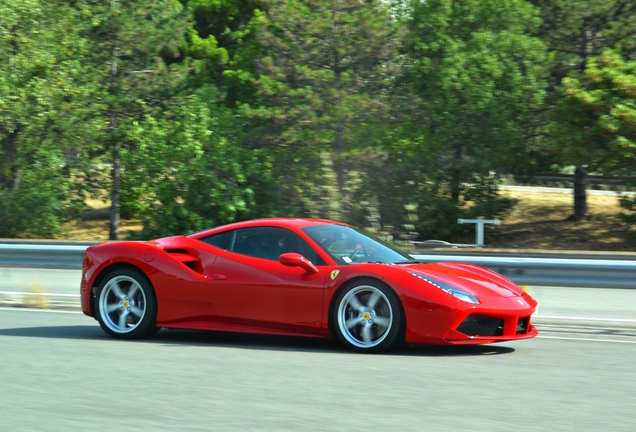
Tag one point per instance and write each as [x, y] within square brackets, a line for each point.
[413, 261]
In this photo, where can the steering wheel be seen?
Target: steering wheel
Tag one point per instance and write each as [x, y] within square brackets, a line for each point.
[358, 251]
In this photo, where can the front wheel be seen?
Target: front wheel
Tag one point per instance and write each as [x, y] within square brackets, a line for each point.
[126, 305]
[368, 317]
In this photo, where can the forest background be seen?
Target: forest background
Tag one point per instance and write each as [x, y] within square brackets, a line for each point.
[396, 116]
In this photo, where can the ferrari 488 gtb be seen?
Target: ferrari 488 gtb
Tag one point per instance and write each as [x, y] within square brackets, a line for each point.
[302, 277]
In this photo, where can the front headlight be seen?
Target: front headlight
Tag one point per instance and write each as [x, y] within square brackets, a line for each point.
[455, 292]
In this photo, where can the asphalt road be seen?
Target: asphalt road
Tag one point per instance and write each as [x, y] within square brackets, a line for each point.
[61, 372]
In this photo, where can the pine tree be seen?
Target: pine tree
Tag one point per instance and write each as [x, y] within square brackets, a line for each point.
[325, 71]
[131, 66]
[38, 48]
[575, 32]
[599, 118]
[473, 76]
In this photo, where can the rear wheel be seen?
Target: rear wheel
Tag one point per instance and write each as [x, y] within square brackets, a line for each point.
[126, 305]
[368, 317]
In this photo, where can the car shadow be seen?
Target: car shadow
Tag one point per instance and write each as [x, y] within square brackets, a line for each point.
[250, 341]
[457, 350]
[295, 343]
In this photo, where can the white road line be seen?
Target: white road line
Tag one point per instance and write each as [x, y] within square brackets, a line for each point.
[23, 309]
[586, 339]
[586, 319]
[556, 328]
[38, 293]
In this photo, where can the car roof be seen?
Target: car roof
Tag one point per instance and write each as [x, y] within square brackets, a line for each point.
[297, 223]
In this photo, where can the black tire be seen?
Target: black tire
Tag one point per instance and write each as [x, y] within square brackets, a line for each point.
[126, 306]
[368, 317]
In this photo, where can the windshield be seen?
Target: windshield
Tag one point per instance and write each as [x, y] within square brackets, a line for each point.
[347, 245]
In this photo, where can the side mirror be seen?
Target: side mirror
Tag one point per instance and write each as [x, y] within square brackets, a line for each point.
[293, 259]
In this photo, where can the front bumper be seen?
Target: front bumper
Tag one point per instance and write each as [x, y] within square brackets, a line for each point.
[495, 319]
[481, 329]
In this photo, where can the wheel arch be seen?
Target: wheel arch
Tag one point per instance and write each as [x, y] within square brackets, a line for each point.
[345, 285]
[110, 268]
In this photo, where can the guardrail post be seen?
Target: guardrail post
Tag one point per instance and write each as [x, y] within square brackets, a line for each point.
[479, 228]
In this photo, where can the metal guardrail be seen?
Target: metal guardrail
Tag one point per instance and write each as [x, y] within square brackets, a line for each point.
[63, 255]
[549, 269]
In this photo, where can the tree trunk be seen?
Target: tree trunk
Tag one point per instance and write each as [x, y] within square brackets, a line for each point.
[9, 150]
[456, 176]
[113, 231]
[16, 179]
[341, 167]
[580, 195]
[114, 195]
[340, 144]
[11, 153]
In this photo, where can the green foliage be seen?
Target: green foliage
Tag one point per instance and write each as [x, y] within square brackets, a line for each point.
[39, 65]
[476, 68]
[472, 78]
[324, 73]
[598, 120]
[222, 46]
[392, 115]
[417, 199]
[37, 208]
[576, 31]
[185, 173]
[132, 70]
[597, 123]
[321, 198]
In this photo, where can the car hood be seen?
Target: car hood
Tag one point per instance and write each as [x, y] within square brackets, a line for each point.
[471, 278]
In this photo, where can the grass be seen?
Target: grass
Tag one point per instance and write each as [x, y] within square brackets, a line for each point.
[539, 221]
[94, 225]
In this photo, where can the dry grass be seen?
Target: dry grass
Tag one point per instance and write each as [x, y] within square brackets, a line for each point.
[94, 226]
[538, 221]
[95, 229]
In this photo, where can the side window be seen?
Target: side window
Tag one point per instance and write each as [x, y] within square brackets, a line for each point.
[251, 241]
[221, 240]
[270, 243]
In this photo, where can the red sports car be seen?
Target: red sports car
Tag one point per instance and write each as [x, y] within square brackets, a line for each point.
[301, 277]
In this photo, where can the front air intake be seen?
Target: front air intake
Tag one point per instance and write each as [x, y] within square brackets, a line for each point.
[522, 326]
[479, 325]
